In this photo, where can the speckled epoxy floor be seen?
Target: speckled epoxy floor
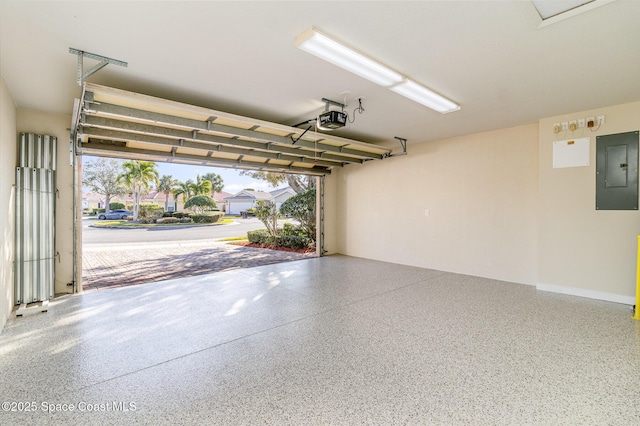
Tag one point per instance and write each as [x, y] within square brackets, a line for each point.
[335, 340]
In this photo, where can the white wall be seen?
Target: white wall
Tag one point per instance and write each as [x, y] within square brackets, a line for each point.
[8, 157]
[481, 193]
[582, 249]
[30, 121]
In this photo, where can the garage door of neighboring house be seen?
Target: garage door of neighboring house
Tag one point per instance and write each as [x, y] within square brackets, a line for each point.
[235, 207]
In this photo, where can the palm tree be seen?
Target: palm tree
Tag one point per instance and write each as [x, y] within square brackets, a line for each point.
[217, 184]
[138, 176]
[201, 186]
[166, 185]
[183, 188]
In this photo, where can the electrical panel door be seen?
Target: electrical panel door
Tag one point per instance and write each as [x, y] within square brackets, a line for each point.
[617, 171]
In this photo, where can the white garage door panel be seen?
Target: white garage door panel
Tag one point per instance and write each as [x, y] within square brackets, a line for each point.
[113, 122]
[235, 207]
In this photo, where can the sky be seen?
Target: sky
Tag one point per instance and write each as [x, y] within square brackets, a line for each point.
[233, 182]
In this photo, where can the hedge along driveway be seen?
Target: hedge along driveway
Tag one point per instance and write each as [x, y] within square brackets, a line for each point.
[118, 265]
[128, 224]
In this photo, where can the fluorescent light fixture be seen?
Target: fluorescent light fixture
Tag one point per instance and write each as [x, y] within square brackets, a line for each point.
[422, 95]
[324, 47]
[331, 50]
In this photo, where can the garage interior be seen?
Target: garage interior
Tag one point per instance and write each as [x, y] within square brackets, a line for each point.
[474, 280]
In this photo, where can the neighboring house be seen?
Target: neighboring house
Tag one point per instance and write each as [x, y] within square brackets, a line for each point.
[220, 200]
[159, 198]
[92, 200]
[245, 200]
[279, 196]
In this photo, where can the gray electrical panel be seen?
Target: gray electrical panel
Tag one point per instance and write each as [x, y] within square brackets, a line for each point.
[617, 171]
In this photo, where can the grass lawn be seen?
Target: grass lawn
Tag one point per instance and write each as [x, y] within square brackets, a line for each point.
[242, 238]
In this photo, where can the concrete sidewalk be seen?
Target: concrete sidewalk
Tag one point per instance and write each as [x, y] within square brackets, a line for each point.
[117, 265]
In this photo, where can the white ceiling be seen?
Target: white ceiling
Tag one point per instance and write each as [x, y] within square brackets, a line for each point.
[239, 57]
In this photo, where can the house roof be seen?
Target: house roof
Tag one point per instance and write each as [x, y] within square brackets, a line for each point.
[280, 191]
[221, 196]
[92, 196]
[156, 196]
[250, 195]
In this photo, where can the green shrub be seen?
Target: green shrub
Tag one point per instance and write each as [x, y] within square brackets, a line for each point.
[99, 210]
[294, 230]
[292, 241]
[180, 215]
[259, 236]
[186, 220]
[302, 207]
[149, 210]
[165, 220]
[200, 203]
[116, 206]
[262, 237]
[210, 217]
[146, 220]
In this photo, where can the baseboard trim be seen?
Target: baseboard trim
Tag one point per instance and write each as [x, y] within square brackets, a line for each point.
[590, 294]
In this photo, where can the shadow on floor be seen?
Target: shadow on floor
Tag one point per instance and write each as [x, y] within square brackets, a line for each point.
[108, 269]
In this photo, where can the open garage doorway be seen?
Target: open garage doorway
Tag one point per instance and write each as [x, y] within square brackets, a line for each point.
[168, 237]
[117, 124]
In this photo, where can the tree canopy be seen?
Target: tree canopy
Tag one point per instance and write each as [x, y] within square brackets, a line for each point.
[166, 185]
[201, 186]
[138, 176]
[200, 203]
[302, 207]
[183, 188]
[267, 212]
[101, 176]
[190, 188]
[298, 183]
[216, 181]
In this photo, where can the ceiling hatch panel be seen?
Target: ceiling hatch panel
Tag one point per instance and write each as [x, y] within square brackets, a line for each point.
[117, 123]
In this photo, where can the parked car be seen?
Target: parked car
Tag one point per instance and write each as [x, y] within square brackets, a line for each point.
[115, 214]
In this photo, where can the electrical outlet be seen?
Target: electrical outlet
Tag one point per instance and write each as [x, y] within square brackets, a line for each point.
[565, 126]
[581, 123]
[573, 125]
[600, 120]
[591, 122]
[426, 212]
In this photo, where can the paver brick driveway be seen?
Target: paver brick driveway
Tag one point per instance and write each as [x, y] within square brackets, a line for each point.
[104, 267]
